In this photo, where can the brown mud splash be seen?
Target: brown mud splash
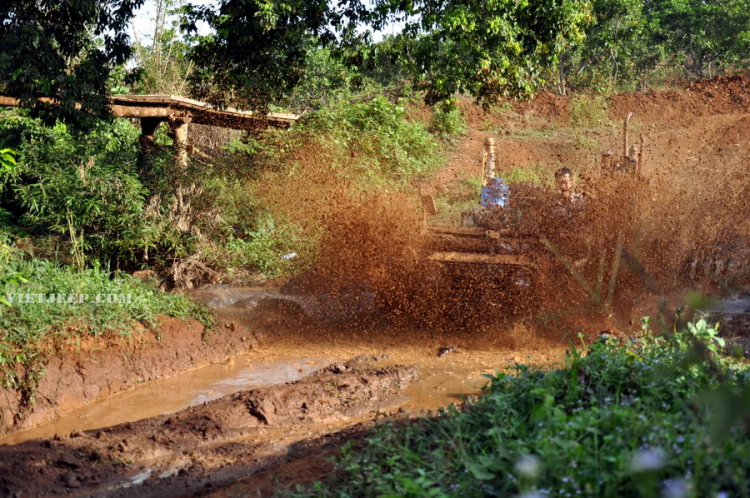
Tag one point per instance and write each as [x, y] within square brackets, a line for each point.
[683, 223]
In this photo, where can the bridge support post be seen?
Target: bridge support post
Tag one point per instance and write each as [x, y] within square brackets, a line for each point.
[179, 125]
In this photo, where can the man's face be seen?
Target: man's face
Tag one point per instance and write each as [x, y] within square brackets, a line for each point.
[565, 183]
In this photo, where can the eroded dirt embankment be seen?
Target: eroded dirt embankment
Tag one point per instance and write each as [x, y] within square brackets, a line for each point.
[78, 374]
[213, 435]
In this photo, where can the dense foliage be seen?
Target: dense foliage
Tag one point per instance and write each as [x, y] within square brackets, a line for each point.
[632, 43]
[258, 48]
[262, 49]
[386, 146]
[258, 51]
[64, 50]
[485, 49]
[641, 420]
[80, 186]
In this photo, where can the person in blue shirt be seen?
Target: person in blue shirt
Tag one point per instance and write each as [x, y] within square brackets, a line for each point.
[495, 194]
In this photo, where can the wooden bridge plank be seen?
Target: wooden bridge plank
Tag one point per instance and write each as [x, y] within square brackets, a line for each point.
[166, 106]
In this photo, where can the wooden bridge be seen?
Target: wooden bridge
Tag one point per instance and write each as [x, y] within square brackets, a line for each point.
[179, 112]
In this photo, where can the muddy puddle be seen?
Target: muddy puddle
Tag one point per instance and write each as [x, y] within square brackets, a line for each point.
[174, 394]
[438, 386]
[442, 382]
[736, 304]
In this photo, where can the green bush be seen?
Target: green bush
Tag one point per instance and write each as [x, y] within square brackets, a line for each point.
[447, 120]
[84, 187]
[620, 422]
[272, 248]
[373, 138]
[588, 111]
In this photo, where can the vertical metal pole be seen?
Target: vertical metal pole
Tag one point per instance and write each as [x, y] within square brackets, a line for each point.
[625, 133]
[490, 166]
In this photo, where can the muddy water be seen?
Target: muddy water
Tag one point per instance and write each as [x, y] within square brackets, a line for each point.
[174, 394]
[735, 305]
[442, 381]
[295, 354]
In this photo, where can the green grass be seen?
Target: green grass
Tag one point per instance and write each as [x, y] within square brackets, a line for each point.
[642, 420]
[588, 111]
[582, 141]
[534, 173]
[43, 303]
[533, 134]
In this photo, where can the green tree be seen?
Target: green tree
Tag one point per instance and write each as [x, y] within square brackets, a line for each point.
[163, 63]
[258, 50]
[708, 35]
[486, 49]
[622, 45]
[64, 50]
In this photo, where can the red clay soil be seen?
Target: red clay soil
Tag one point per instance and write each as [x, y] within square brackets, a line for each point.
[694, 207]
[211, 438]
[719, 95]
[103, 366]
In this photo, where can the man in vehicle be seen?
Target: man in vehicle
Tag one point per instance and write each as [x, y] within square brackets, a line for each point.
[566, 186]
[568, 207]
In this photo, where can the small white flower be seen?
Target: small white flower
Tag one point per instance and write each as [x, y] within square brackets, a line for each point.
[676, 488]
[647, 460]
[531, 494]
[528, 466]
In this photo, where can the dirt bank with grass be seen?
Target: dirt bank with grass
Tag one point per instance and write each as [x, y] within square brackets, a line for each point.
[183, 448]
[90, 369]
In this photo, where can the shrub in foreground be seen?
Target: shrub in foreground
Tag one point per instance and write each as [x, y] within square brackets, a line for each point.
[621, 421]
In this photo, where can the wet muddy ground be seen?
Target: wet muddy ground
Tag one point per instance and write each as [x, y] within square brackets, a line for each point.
[220, 424]
[239, 428]
[220, 438]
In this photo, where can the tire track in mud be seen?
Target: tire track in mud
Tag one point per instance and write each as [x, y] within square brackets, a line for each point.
[213, 444]
[219, 435]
